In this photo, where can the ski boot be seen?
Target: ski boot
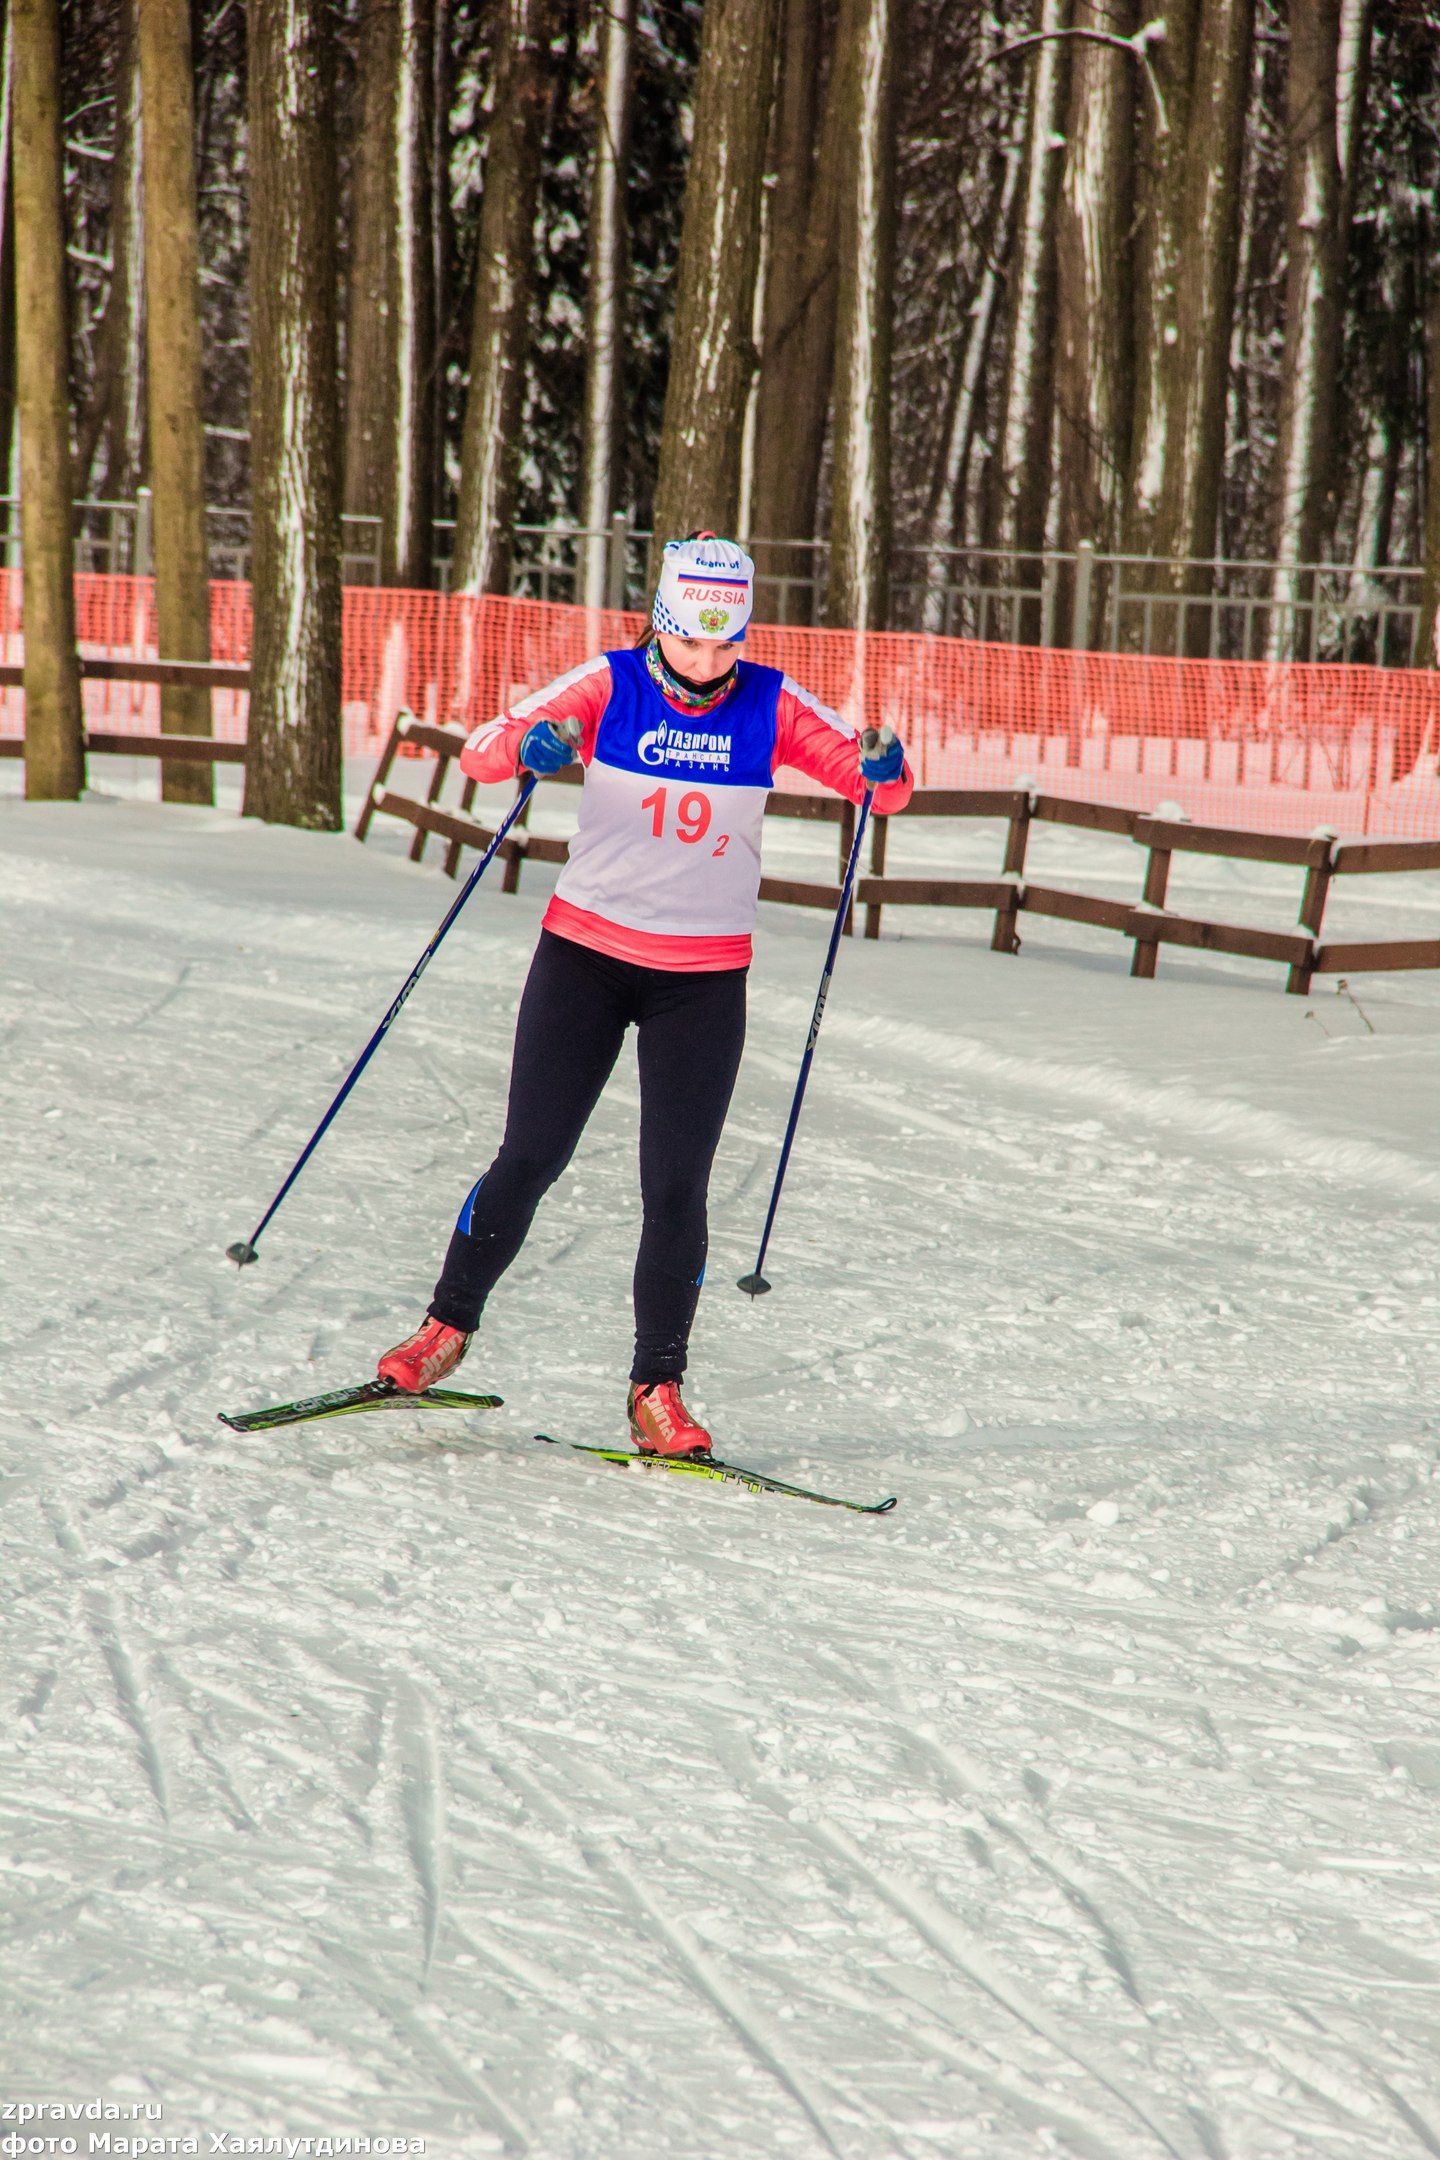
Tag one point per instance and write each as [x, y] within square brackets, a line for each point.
[424, 1357]
[661, 1425]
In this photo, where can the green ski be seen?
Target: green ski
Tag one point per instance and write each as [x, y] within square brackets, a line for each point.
[706, 1466]
[347, 1402]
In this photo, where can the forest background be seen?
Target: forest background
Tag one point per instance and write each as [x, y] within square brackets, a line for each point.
[896, 279]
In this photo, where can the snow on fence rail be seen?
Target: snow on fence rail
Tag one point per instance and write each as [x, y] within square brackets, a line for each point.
[1147, 921]
[1273, 747]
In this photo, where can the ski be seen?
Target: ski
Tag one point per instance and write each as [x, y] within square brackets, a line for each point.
[346, 1402]
[384, 1395]
[707, 1466]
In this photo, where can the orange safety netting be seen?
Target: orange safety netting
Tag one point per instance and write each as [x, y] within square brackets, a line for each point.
[1276, 746]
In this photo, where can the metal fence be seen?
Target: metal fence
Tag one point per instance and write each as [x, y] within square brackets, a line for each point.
[1089, 600]
[1202, 608]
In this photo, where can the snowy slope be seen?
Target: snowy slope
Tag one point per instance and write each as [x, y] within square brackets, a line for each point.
[401, 1778]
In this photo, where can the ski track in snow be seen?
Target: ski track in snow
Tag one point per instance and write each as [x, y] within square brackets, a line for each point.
[397, 1776]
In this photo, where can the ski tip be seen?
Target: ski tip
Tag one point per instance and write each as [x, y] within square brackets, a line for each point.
[883, 1507]
[753, 1285]
[242, 1254]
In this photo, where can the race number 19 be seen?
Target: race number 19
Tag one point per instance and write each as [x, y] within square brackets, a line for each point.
[693, 813]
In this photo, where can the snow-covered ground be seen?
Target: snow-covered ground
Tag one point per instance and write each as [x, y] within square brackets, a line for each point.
[401, 1778]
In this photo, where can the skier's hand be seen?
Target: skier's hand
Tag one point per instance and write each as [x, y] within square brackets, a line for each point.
[544, 749]
[882, 756]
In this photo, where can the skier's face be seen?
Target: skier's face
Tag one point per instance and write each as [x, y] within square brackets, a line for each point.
[699, 659]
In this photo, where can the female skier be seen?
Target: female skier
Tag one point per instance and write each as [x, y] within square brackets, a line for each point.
[650, 922]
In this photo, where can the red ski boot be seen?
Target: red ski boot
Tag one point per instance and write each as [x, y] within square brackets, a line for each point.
[661, 1425]
[424, 1357]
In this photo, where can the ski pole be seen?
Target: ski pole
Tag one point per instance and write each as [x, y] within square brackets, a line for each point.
[755, 1283]
[243, 1252]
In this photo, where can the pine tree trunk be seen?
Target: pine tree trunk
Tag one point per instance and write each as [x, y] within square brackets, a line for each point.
[390, 347]
[1247, 363]
[177, 434]
[745, 493]
[443, 240]
[116, 409]
[1376, 519]
[605, 301]
[1313, 298]
[1352, 85]
[948, 495]
[1391, 424]
[1093, 390]
[797, 345]
[711, 359]
[7, 252]
[292, 774]
[1159, 240]
[1020, 476]
[504, 294]
[1427, 642]
[1190, 196]
[1206, 284]
[858, 588]
[1368, 505]
[54, 727]
[125, 462]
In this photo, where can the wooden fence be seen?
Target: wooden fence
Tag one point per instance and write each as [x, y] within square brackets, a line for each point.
[104, 742]
[1148, 922]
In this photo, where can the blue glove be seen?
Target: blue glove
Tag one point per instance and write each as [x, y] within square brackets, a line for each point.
[882, 756]
[544, 751]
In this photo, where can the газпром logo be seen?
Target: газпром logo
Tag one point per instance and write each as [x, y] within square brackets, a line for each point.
[667, 745]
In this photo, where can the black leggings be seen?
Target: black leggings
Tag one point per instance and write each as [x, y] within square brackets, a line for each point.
[573, 1015]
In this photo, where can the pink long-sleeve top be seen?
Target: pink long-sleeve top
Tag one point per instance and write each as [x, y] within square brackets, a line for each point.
[664, 867]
